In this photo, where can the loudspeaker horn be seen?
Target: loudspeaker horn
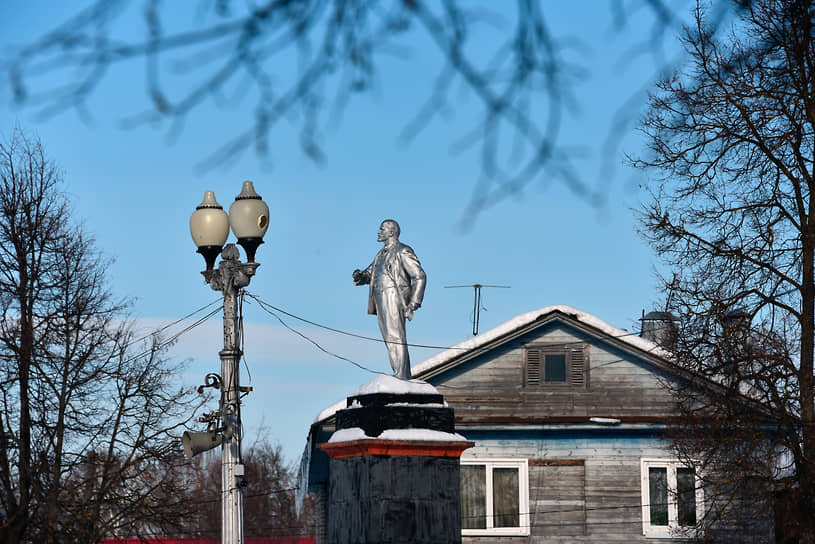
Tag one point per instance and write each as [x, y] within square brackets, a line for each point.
[195, 443]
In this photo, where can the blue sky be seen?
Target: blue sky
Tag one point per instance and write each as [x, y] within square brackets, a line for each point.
[135, 189]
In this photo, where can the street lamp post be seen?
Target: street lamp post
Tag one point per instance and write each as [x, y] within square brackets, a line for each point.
[209, 226]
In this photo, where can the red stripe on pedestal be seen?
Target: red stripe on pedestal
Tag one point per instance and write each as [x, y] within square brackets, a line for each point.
[376, 446]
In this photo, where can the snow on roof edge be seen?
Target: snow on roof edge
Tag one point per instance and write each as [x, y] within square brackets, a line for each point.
[330, 411]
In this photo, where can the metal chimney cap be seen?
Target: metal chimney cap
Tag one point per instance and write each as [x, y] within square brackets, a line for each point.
[659, 316]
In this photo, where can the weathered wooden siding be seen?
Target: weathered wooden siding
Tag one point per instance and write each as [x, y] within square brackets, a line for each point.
[490, 387]
[557, 497]
[582, 488]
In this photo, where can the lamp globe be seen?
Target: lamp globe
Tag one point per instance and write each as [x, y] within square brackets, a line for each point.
[209, 228]
[249, 219]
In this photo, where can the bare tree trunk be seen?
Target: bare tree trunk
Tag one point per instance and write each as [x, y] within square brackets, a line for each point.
[20, 518]
[806, 384]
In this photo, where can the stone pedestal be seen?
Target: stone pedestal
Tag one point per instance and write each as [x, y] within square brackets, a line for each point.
[394, 467]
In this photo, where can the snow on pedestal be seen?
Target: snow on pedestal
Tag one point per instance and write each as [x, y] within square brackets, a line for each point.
[394, 471]
[386, 383]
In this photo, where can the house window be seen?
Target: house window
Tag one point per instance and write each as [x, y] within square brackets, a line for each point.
[494, 497]
[556, 366]
[671, 498]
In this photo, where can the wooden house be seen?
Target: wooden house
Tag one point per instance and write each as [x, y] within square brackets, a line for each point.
[568, 415]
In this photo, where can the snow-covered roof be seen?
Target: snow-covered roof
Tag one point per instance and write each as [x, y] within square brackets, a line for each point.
[522, 320]
[385, 382]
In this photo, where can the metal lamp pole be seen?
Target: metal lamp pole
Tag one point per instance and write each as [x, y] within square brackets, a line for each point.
[209, 226]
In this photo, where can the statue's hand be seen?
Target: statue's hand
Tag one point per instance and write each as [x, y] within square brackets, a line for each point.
[409, 309]
[359, 277]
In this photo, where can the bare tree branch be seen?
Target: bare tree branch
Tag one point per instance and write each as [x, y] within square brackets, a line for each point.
[300, 61]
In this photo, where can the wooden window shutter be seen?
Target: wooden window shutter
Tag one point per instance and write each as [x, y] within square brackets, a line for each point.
[533, 366]
[578, 368]
[577, 365]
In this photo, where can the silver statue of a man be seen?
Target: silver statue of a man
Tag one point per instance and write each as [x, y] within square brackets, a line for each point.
[397, 287]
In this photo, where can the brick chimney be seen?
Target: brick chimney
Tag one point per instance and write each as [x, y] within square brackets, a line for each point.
[661, 328]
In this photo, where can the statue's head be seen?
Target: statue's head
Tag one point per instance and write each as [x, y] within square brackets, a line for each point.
[388, 229]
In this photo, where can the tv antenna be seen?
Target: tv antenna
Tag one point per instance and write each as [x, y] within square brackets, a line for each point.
[476, 300]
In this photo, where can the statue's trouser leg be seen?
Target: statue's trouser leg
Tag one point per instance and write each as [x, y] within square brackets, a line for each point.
[391, 318]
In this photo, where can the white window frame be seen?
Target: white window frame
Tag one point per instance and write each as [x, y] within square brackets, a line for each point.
[673, 529]
[523, 497]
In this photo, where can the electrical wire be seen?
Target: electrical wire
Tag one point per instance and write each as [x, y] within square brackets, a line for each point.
[236, 375]
[549, 489]
[530, 512]
[169, 341]
[245, 495]
[582, 523]
[314, 342]
[267, 306]
[242, 333]
[169, 325]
